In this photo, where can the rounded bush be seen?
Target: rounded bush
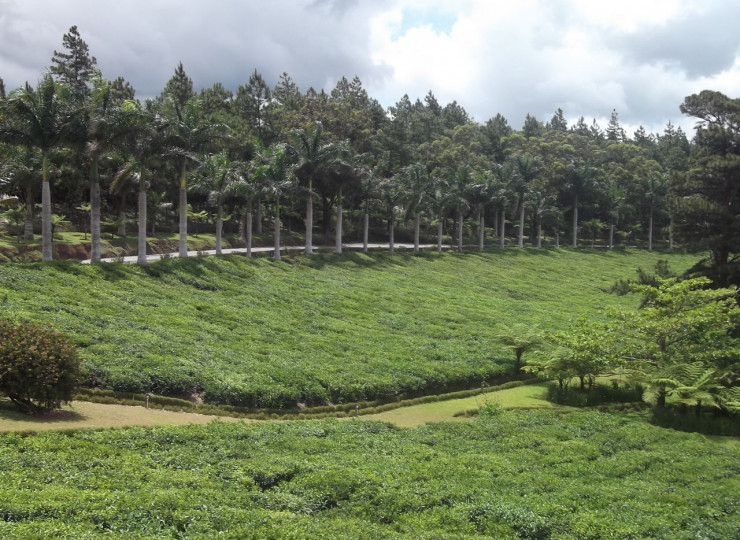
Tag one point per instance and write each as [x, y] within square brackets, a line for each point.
[38, 366]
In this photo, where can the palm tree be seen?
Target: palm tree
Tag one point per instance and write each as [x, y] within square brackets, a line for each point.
[368, 189]
[392, 193]
[579, 179]
[502, 194]
[458, 182]
[438, 200]
[416, 184]
[246, 185]
[314, 159]
[216, 180]
[527, 169]
[41, 119]
[107, 123]
[274, 171]
[480, 193]
[189, 134]
[147, 149]
[656, 188]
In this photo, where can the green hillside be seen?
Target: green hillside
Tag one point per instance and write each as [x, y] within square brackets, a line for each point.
[260, 333]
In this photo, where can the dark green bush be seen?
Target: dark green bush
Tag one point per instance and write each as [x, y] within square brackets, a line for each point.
[708, 422]
[596, 395]
[38, 366]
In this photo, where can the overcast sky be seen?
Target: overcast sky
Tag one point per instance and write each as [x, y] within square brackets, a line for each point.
[640, 57]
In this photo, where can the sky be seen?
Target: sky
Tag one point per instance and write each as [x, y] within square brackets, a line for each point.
[587, 57]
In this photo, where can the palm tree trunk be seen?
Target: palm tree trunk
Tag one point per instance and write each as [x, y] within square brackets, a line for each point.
[309, 222]
[122, 217]
[219, 228]
[481, 229]
[520, 242]
[94, 212]
[557, 239]
[365, 230]
[650, 231]
[417, 225]
[141, 245]
[670, 233]
[611, 236]
[575, 223]
[391, 246]
[276, 234]
[459, 230]
[46, 253]
[539, 233]
[258, 216]
[338, 243]
[502, 242]
[439, 234]
[183, 214]
[28, 225]
[249, 234]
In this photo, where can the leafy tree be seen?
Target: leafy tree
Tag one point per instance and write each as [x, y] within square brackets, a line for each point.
[75, 67]
[145, 152]
[216, 180]
[519, 338]
[38, 366]
[40, 119]
[585, 350]
[527, 168]
[416, 183]
[314, 162]
[710, 213]
[273, 169]
[680, 322]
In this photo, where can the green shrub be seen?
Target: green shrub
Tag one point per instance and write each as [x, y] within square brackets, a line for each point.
[38, 366]
[596, 395]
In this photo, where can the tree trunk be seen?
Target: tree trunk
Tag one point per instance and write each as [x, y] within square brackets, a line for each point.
[141, 245]
[365, 231]
[439, 235]
[391, 247]
[219, 228]
[520, 242]
[258, 216]
[28, 225]
[122, 217]
[417, 224]
[611, 236]
[495, 223]
[481, 230]
[309, 223]
[650, 231]
[575, 223]
[183, 213]
[338, 240]
[557, 239]
[459, 230]
[94, 212]
[276, 233]
[249, 234]
[46, 253]
[670, 232]
[503, 229]
[539, 233]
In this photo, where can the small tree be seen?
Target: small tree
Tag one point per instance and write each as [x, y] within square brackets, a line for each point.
[519, 338]
[38, 366]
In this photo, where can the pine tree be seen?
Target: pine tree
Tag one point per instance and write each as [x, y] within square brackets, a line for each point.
[74, 67]
[179, 87]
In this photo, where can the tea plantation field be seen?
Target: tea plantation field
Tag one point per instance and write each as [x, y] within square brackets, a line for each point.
[259, 333]
[518, 474]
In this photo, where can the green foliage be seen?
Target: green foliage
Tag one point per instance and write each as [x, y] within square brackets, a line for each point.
[595, 395]
[38, 366]
[520, 474]
[329, 329]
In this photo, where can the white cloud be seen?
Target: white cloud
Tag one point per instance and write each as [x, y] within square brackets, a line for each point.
[532, 56]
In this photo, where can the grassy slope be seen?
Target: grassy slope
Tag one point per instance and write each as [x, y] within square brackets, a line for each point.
[256, 332]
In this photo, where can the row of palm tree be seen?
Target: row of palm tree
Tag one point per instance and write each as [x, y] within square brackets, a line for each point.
[136, 145]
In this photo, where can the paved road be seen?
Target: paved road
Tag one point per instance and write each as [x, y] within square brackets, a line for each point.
[243, 251]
